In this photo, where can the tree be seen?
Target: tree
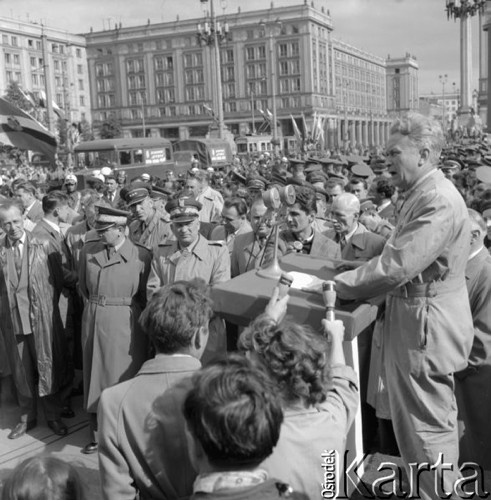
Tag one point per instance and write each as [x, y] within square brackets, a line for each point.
[86, 133]
[111, 128]
[15, 96]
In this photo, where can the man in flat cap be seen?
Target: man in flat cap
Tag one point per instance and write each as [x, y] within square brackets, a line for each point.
[148, 227]
[112, 279]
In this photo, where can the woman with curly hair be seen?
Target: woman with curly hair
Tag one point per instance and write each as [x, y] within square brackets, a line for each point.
[319, 395]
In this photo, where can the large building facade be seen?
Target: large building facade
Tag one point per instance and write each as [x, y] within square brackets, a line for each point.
[402, 84]
[24, 47]
[160, 80]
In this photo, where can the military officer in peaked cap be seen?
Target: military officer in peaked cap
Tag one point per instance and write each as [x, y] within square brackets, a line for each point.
[149, 228]
[192, 255]
[189, 257]
[112, 279]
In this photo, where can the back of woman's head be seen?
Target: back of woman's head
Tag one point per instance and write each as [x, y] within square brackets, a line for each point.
[43, 478]
[294, 356]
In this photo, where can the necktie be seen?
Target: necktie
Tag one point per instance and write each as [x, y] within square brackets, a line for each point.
[110, 252]
[17, 257]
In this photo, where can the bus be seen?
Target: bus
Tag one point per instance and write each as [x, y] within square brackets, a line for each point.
[215, 153]
[257, 144]
[151, 155]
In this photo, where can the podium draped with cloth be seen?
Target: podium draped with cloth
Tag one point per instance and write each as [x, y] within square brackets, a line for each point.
[245, 297]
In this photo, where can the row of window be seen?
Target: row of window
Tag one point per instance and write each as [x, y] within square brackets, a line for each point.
[56, 48]
[356, 61]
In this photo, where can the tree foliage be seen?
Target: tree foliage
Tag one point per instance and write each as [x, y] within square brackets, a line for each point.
[111, 128]
[17, 98]
[86, 132]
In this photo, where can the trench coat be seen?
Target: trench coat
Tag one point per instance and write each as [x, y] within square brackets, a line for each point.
[473, 384]
[428, 328]
[157, 231]
[47, 328]
[142, 443]
[209, 261]
[114, 347]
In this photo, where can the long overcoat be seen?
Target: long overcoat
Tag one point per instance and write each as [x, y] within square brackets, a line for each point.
[47, 328]
[114, 347]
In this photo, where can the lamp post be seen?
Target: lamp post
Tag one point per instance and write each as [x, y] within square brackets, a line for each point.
[464, 10]
[271, 34]
[252, 111]
[443, 80]
[212, 33]
[144, 129]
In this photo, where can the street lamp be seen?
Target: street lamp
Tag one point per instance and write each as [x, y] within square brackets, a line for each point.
[443, 80]
[253, 101]
[464, 10]
[142, 97]
[271, 33]
[212, 33]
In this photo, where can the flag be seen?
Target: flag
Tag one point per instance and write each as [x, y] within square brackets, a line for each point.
[314, 126]
[20, 130]
[306, 130]
[43, 103]
[296, 131]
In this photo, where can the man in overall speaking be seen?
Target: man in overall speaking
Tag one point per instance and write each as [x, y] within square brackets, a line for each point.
[428, 326]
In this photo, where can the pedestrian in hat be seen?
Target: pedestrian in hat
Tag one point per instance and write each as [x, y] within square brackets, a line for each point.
[149, 228]
[112, 279]
[188, 257]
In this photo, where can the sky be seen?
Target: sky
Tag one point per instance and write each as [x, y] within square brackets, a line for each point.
[381, 27]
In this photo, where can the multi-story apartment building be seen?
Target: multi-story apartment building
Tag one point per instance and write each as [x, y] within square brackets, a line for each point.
[402, 84]
[23, 61]
[158, 78]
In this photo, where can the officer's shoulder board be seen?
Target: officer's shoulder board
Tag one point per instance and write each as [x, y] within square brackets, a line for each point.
[140, 245]
[92, 239]
[216, 243]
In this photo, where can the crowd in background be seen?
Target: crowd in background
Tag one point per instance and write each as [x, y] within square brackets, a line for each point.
[123, 258]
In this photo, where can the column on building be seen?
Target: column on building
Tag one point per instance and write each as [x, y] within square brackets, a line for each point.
[376, 132]
[183, 132]
[366, 142]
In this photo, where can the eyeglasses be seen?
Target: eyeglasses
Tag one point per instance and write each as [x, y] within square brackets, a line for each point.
[70, 184]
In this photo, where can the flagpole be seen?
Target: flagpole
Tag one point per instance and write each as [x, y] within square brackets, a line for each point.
[47, 81]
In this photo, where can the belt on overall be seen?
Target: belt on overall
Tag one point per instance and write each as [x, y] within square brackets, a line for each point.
[102, 300]
[431, 289]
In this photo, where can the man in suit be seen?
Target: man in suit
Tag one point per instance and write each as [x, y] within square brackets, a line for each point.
[249, 247]
[235, 223]
[300, 235]
[210, 199]
[357, 243]
[31, 322]
[149, 458]
[473, 384]
[25, 192]
[112, 195]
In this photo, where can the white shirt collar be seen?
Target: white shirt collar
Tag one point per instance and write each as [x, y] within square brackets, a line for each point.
[475, 252]
[53, 225]
[351, 233]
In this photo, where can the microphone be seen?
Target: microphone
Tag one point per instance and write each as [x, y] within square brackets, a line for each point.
[329, 296]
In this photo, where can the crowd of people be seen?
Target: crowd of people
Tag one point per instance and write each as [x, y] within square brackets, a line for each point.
[110, 284]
